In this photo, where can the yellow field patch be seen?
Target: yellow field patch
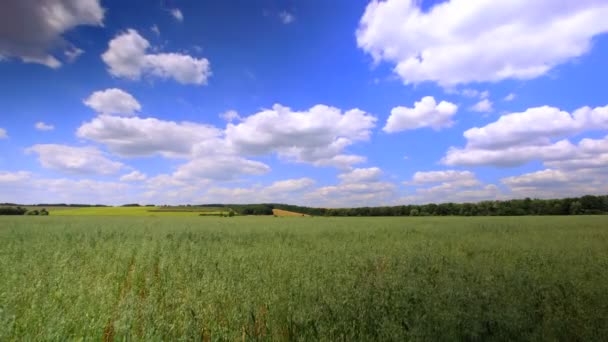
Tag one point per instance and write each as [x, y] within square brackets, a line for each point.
[280, 212]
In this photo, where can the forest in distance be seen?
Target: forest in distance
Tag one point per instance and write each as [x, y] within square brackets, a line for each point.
[585, 205]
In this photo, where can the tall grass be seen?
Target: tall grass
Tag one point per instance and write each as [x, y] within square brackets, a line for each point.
[150, 278]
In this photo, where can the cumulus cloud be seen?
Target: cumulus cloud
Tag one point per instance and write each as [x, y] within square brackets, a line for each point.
[462, 178]
[3, 134]
[346, 194]
[27, 188]
[371, 174]
[285, 191]
[510, 97]
[113, 101]
[483, 106]
[75, 160]
[41, 126]
[32, 30]
[231, 115]
[14, 177]
[177, 14]
[426, 113]
[459, 41]
[134, 136]
[553, 183]
[318, 136]
[126, 57]
[448, 186]
[134, 176]
[517, 138]
[222, 168]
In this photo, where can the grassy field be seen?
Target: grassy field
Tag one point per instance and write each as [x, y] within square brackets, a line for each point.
[313, 278]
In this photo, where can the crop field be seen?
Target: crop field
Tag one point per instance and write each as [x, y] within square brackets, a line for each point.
[303, 278]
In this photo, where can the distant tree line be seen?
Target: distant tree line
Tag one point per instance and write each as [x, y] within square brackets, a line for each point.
[585, 205]
[22, 211]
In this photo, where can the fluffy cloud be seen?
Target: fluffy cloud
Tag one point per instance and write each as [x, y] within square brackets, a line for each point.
[510, 97]
[221, 168]
[426, 113]
[136, 136]
[462, 178]
[134, 176]
[483, 106]
[177, 14]
[352, 194]
[517, 138]
[126, 57]
[448, 186]
[14, 177]
[552, 183]
[26, 188]
[41, 126]
[463, 41]
[231, 115]
[285, 191]
[113, 101]
[318, 136]
[3, 134]
[371, 174]
[30, 29]
[75, 160]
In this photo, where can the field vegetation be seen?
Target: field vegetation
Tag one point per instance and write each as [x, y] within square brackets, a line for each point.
[314, 278]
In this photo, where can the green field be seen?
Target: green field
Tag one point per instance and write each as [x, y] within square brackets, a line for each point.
[266, 278]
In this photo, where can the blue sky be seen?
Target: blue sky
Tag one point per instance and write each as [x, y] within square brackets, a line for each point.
[341, 103]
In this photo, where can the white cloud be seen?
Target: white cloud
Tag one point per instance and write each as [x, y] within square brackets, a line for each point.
[155, 29]
[286, 17]
[508, 156]
[426, 113]
[454, 186]
[41, 126]
[483, 106]
[289, 186]
[126, 57]
[461, 178]
[371, 174]
[517, 138]
[177, 14]
[3, 134]
[30, 29]
[318, 136]
[352, 195]
[113, 101]
[284, 191]
[73, 54]
[221, 168]
[75, 160]
[462, 41]
[134, 176]
[510, 97]
[14, 177]
[33, 189]
[136, 136]
[231, 115]
[552, 183]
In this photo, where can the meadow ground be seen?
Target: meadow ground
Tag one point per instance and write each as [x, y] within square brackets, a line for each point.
[309, 278]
